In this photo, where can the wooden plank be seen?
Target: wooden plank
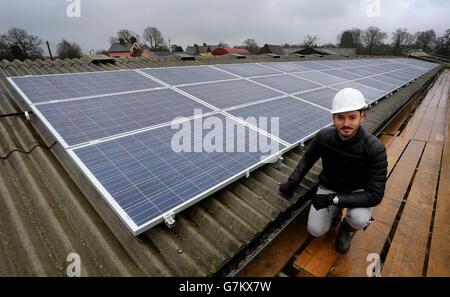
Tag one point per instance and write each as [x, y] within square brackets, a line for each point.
[406, 256]
[319, 256]
[439, 258]
[372, 240]
[275, 256]
[397, 146]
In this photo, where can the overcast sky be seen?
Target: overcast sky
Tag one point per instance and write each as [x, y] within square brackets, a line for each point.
[231, 21]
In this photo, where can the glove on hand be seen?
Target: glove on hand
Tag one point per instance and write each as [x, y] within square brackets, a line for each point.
[287, 189]
[321, 201]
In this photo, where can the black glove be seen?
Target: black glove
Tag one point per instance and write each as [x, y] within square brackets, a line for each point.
[321, 201]
[287, 189]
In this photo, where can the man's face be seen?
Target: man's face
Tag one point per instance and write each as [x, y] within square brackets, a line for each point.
[347, 123]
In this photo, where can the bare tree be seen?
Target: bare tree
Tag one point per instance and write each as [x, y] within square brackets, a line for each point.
[126, 34]
[154, 37]
[425, 40]
[310, 41]
[443, 44]
[21, 44]
[400, 39]
[350, 38]
[223, 44]
[251, 45]
[373, 38]
[68, 50]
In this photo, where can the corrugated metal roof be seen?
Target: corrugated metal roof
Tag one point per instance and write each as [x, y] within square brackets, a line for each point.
[45, 215]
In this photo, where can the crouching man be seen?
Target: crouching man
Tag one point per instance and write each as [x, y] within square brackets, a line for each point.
[354, 171]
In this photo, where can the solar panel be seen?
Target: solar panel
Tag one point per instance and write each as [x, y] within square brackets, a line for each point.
[63, 86]
[116, 125]
[143, 178]
[377, 84]
[312, 65]
[287, 83]
[286, 66]
[370, 94]
[320, 77]
[230, 93]
[297, 120]
[387, 79]
[322, 97]
[342, 74]
[79, 121]
[247, 70]
[187, 75]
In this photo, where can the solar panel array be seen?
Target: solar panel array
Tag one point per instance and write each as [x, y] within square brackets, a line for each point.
[121, 127]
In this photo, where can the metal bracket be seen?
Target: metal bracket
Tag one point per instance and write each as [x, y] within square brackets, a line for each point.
[278, 164]
[27, 115]
[169, 220]
[302, 144]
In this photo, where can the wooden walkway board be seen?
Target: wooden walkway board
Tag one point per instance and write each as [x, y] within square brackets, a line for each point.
[406, 256]
[319, 256]
[372, 240]
[275, 256]
[439, 259]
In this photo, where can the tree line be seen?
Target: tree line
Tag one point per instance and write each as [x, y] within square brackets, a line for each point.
[18, 44]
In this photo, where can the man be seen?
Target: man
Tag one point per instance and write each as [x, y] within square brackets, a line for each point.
[354, 171]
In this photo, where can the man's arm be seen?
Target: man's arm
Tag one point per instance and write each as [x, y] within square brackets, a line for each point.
[375, 185]
[304, 165]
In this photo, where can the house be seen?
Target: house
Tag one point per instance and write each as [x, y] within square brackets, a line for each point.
[335, 51]
[223, 51]
[123, 49]
[272, 49]
[205, 50]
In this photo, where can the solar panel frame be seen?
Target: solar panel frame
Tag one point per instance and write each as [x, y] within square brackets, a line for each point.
[175, 76]
[103, 116]
[247, 70]
[132, 225]
[72, 79]
[286, 83]
[230, 93]
[288, 110]
[405, 72]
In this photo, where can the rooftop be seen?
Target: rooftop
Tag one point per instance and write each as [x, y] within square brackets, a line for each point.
[45, 215]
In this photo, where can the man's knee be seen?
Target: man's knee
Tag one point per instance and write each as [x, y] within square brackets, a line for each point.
[317, 230]
[359, 218]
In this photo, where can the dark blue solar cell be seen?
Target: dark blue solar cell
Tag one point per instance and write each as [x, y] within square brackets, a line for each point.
[370, 94]
[295, 119]
[312, 65]
[376, 84]
[230, 93]
[322, 97]
[63, 86]
[247, 70]
[343, 74]
[187, 75]
[286, 66]
[144, 188]
[80, 121]
[320, 77]
[287, 83]
[389, 80]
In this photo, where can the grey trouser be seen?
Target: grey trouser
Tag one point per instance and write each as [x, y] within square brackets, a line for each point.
[319, 221]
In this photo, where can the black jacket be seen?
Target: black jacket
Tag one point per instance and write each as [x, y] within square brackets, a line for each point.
[359, 163]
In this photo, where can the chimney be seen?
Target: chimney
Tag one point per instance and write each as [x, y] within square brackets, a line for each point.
[133, 39]
[196, 48]
[121, 40]
[204, 43]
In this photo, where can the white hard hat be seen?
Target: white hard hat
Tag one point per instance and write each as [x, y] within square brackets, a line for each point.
[348, 99]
